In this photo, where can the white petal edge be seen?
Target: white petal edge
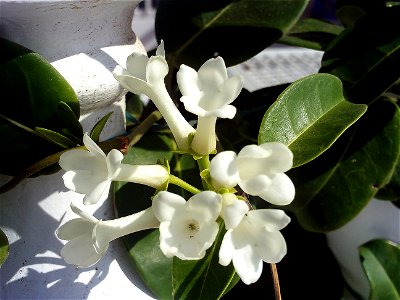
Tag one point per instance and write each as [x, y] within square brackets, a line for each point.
[165, 204]
[280, 192]
[223, 169]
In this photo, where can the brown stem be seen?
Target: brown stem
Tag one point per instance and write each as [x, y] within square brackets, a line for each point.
[275, 278]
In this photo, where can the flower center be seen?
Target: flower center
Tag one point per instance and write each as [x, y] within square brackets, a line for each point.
[193, 227]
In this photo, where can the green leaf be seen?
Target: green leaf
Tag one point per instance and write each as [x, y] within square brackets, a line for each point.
[98, 128]
[381, 262]
[366, 56]
[69, 120]
[55, 138]
[391, 191]
[332, 189]
[311, 33]
[227, 28]
[4, 247]
[305, 117]
[205, 278]
[32, 90]
[349, 11]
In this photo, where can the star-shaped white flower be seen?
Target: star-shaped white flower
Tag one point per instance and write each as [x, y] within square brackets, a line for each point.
[189, 228]
[254, 238]
[88, 238]
[91, 172]
[145, 75]
[258, 170]
[208, 94]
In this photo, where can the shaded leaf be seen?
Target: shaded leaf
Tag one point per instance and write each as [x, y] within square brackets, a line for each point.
[391, 191]
[366, 56]
[55, 138]
[349, 11]
[332, 189]
[208, 28]
[305, 117]
[98, 127]
[381, 262]
[4, 247]
[69, 120]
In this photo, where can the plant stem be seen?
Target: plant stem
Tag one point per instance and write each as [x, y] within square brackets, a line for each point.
[183, 184]
[203, 162]
[275, 278]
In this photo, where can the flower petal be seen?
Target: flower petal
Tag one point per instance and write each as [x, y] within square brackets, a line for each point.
[98, 193]
[206, 203]
[136, 65]
[280, 159]
[226, 250]
[223, 169]
[248, 264]
[77, 159]
[165, 205]
[73, 228]
[270, 219]
[83, 214]
[83, 181]
[281, 190]
[160, 49]
[233, 210]
[225, 112]
[212, 74]
[270, 246]
[188, 82]
[255, 185]
[231, 88]
[92, 146]
[156, 70]
[114, 159]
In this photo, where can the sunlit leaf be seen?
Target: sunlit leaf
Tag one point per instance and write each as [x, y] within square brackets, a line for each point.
[381, 262]
[309, 116]
[98, 127]
[55, 138]
[4, 247]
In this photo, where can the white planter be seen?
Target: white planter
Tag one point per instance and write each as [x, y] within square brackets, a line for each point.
[84, 40]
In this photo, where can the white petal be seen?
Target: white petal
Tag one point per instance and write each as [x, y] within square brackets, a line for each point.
[133, 84]
[270, 219]
[160, 49]
[212, 74]
[255, 185]
[223, 169]
[98, 193]
[80, 252]
[248, 264]
[226, 250]
[151, 175]
[270, 246]
[165, 205]
[157, 69]
[280, 192]
[233, 210]
[114, 159]
[136, 65]
[231, 88]
[206, 203]
[74, 228]
[188, 82]
[83, 181]
[225, 112]
[83, 214]
[281, 157]
[92, 146]
[191, 104]
[77, 159]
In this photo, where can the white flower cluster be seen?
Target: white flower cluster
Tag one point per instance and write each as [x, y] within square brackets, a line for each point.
[187, 228]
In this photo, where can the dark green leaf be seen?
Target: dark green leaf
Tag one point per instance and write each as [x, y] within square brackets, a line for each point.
[332, 189]
[56, 138]
[349, 11]
[366, 56]
[305, 117]
[227, 28]
[98, 128]
[69, 120]
[31, 91]
[205, 278]
[391, 191]
[311, 33]
[381, 263]
[4, 247]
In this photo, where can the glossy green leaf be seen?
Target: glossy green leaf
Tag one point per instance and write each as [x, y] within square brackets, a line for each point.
[305, 117]
[32, 90]
[56, 138]
[391, 191]
[311, 33]
[4, 247]
[98, 127]
[233, 29]
[70, 121]
[332, 189]
[381, 262]
[205, 278]
[366, 56]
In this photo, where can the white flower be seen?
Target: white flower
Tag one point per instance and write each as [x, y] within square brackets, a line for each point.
[145, 75]
[189, 228]
[91, 172]
[255, 239]
[208, 94]
[258, 170]
[88, 237]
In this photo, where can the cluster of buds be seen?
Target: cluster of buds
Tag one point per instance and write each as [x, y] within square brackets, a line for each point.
[187, 227]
